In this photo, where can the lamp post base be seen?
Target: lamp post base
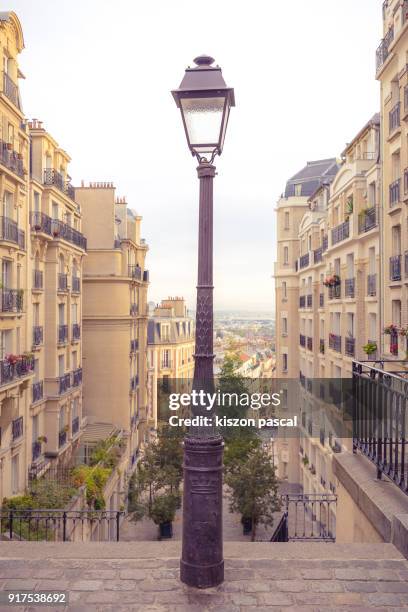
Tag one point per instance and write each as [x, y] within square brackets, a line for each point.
[202, 563]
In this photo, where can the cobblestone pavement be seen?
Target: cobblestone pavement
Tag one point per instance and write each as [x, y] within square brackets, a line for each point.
[258, 577]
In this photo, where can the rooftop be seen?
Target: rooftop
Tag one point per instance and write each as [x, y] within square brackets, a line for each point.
[312, 176]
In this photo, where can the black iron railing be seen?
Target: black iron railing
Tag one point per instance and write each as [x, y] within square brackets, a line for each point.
[380, 417]
[61, 525]
[17, 428]
[62, 281]
[15, 368]
[75, 425]
[335, 291]
[350, 346]
[62, 334]
[40, 222]
[335, 342]
[302, 340]
[9, 232]
[64, 383]
[367, 219]
[61, 230]
[318, 255]
[394, 192]
[38, 391]
[76, 284]
[76, 377]
[321, 300]
[395, 268]
[382, 51]
[12, 160]
[38, 281]
[10, 89]
[340, 232]
[56, 179]
[304, 261]
[38, 335]
[309, 300]
[309, 343]
[394, 117]
[12, 300]
[76, 331]
[302, 301]
[135, 271]
[349, 287]
[309, 516]
[372, 284]
[35, 451]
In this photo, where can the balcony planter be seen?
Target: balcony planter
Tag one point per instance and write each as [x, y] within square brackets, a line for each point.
[391, 330]
[246, 525]
[370, 348]
[166, 531]
[332, 281]
[163, 512]
[12, 359]
[55, 233]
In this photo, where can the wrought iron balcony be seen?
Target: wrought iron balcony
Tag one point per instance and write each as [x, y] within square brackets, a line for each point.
[309, 300]
[302, 340]
[304, 261]
[61, 230]
[335, 292]
[76, 331]
[349, 287]
[62, 281]
[10, 90]
[17, 428]
[62, 334]
[15, 367]
[38, 335]
[371, 284]
[64, 383]
[38, 279]
[38, 391]
[321, 346]
[135, 271]
[394, 118]
[340, 232]
[134, 345]
[367, 219]
[318, 255]
[395, 268]
[75, 426]
[11, 159]
[350, 346]
[76, 377]
[12, 300]
[62, 438]
[394, 192]
[382, 51]
[335, 342]
[36, 451]
[321, 300]
[76, 284]
[40, 222]
[133, 309]
[146, 276]
[302, 301]
[309, 343]
[53, 178]
[9, 232]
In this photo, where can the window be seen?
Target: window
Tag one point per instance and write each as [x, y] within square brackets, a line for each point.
[15, 474]
[372, 194]
[166, 359]
[74, 313]
[6, 340]
[286, 221]
[61, 314]
[285, 255]
[284, 326]
[61, 365]
[298, 190]
[396, 240]
[36, 201]
[55, 210]
[284, 362]
[396, 312]
[165, 331]
[284, 290]
[371, 260]
[35, 428]
[8, 205]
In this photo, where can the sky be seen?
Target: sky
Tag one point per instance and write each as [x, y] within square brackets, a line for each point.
[99, 75]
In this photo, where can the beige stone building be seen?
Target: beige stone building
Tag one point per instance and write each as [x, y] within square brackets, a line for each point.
[115, 283]
[171, 341]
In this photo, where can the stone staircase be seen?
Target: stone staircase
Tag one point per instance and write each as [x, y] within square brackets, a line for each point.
[143, 576]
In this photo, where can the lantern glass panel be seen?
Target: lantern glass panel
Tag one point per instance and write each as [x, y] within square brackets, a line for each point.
[203, 120]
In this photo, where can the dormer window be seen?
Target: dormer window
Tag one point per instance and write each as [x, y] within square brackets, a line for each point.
[298, 189]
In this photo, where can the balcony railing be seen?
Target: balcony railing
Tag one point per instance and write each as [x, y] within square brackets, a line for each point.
[10, 89]
[11, 159]
[77, 377]
[371, 284]
[321, 300]
[349, 287]
[75, 426]
[335, 292]
[38, 335]
[62, 281]
[62, 438]
[394, 118]
[38, 280]
[318, 255]
[309, 300]
[76, 284]
[394, 192]
[135, 271]
[335, 342]
[367, 219]
[17, 428]
[62, 334]
[321, 346]
[35, 451]
[340, 232]
[9, 232]
[302, 301]
[54, 178]
[325, 243]
[40, 223]
[350, 346]
[61, 230]
[304, 261]
[382, 50]
[395, 268]
[76, 331]
[12, 300]
[302, 340]
[379, 417]
[38, 391]
[11, 370]
[309, 343]
[64, 383]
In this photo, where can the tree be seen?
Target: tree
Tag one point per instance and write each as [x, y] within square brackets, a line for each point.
[254, 489]
[238, 449]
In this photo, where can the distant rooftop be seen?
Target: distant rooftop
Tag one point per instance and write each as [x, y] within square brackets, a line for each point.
[311, 177]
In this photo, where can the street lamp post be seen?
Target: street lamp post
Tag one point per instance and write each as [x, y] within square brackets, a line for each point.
[204, 101]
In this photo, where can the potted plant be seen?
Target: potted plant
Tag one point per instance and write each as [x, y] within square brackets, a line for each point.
[331, 281]
[12, 359]
[163, 512]
[391, 330]
[370, 348]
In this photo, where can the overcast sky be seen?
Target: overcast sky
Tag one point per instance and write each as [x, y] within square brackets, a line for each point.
[99, 75]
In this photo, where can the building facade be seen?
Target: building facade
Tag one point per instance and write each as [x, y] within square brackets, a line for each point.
[171, 342]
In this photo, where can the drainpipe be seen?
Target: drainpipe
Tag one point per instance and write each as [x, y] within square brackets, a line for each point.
[380, 207]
